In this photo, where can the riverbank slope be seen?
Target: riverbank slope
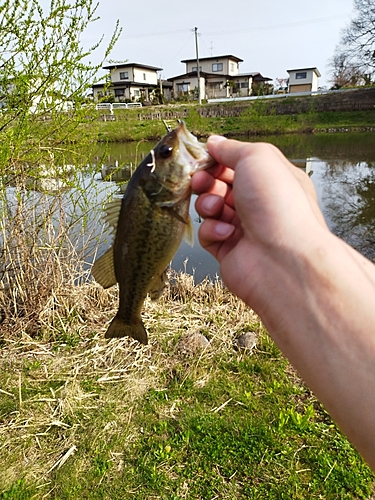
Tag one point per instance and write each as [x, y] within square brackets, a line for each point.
[82, 417]
[349, 111]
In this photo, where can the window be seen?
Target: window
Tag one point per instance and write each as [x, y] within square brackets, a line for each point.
[217, 67]
[182, 87]
[244, 85]
[144, 76]
[232, 68]
[119, 92]
[124, 75]
[136, 93]
[216, 85]
[301, 76]
[194, 68]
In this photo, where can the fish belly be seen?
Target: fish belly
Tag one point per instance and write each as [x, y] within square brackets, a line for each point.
[146, 241]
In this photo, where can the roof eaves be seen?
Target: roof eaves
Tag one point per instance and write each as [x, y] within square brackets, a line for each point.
[227, 56]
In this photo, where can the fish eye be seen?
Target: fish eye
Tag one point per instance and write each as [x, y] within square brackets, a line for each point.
[165, 151]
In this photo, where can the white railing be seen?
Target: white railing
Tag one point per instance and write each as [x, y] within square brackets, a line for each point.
[277, 96]
[117, 105]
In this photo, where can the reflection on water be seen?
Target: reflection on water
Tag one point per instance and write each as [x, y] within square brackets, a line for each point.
[343, 172]
[342, 168]
[346, 192]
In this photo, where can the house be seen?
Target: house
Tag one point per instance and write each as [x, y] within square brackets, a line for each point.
[40, 95]
[130, 82]
[219, 77]
[303, 80]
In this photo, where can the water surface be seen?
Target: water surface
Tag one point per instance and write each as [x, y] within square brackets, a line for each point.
[342, 168]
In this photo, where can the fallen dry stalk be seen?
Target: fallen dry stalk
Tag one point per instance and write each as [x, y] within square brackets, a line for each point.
[51, 400]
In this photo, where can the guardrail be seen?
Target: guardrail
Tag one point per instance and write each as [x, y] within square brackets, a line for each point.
[276, 96]
[117, 105]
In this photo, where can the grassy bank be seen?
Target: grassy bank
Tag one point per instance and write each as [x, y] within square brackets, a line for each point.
[82, 418]
[253, 120]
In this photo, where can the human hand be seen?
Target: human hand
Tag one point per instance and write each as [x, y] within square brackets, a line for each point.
[256, 207]
[313, 292]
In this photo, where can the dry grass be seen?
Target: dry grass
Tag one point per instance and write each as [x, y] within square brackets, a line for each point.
[52, 392]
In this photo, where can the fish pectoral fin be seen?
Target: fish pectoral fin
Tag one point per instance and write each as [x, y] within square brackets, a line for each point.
[118, 329]
[189, 232]
[103, 270]
[173, 212]
[189, 229]
[158, 285]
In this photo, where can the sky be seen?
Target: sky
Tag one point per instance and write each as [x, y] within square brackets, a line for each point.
[271, 37]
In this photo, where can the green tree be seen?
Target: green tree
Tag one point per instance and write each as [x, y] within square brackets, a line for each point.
[261, 88]
[47, 134]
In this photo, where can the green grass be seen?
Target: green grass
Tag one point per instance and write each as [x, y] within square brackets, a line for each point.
[253, 120]
[98, 420]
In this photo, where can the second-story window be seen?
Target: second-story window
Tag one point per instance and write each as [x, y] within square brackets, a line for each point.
[217, 67]
[194, 68]
[301, 76]
[144, 76]
[124, 75]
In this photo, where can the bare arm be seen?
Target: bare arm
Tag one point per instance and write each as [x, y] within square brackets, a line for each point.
[314, 293]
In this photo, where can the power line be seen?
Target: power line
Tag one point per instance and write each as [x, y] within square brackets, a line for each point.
[234, 31]
[277, 26]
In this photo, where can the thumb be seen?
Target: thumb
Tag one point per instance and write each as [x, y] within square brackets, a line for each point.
[227, 152]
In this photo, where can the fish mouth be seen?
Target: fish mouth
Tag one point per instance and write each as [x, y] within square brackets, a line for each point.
[192, 150]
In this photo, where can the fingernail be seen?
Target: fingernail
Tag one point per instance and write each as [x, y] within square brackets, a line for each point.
[223, 230]
[216, 138]
[209, 203]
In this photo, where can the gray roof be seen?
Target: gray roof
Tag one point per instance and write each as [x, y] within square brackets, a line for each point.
[129, 65]
[304, 69]
[220, 75]
[213, 58]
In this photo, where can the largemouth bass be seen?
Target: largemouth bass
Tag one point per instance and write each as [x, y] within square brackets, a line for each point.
[150, 221]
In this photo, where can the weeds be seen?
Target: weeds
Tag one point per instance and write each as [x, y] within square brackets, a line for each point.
[119, 420]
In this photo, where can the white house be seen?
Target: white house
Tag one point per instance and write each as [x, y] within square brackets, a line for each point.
[303, 80]
[130, 82]
[219, 76]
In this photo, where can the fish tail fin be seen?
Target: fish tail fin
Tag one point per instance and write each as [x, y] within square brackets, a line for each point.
[118, 328]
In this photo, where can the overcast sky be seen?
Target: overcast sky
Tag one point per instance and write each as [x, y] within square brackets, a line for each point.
[270, 36]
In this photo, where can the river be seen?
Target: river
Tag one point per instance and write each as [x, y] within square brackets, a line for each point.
[342, 168]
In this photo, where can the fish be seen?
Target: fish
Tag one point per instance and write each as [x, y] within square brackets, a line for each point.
[149, 223]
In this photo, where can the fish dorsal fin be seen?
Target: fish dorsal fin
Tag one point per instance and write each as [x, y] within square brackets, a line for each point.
[189, 232]
[112, 212]
[103, 270]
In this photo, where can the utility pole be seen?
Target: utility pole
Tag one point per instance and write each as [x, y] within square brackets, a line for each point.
[161, 89]
[198, 72]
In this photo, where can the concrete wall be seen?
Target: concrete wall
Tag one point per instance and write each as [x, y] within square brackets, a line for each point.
[354, 100]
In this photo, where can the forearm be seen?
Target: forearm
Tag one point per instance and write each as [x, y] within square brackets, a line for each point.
[315, 295]
[324, 322]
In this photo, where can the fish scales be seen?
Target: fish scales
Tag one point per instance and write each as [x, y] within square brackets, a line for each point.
[154, 235]
[153, 217]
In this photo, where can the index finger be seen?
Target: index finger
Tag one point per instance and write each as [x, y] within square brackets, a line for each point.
[204, 182]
